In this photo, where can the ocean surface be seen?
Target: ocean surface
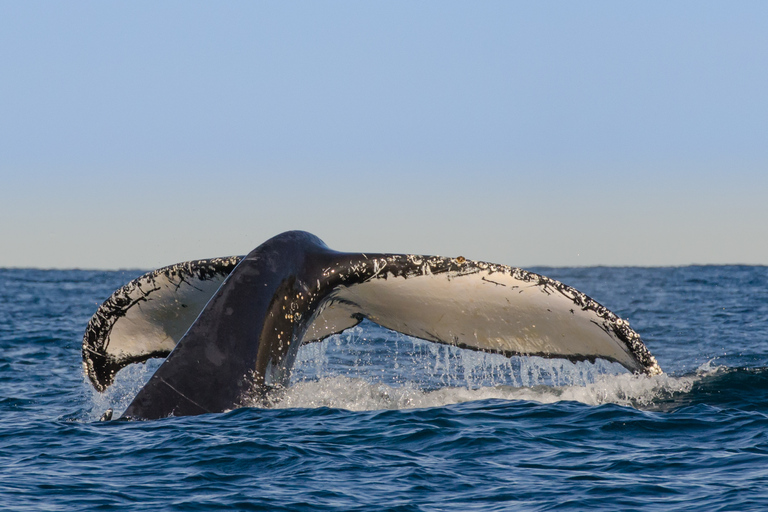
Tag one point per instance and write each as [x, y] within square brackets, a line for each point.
[375, 420]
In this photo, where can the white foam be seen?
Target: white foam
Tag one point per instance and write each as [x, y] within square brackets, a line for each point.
[357, 394]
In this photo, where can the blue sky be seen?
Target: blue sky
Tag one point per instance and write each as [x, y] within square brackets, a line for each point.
[138, 134]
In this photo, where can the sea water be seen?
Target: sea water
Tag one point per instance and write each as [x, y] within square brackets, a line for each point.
[375, 420]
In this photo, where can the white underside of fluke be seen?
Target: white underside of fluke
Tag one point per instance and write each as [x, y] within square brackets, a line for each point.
[486, 311]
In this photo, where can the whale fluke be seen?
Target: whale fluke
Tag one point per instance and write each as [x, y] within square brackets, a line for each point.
[233, 326]
[148, 316]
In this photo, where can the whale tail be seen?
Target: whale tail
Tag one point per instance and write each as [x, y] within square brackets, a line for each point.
[238, 322]
[146, 318]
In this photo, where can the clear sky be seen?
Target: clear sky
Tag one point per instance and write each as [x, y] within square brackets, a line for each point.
[138, 134]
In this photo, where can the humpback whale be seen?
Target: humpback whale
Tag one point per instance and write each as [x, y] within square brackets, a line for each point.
[230, 328]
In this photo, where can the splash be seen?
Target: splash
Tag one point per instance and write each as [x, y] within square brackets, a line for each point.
[357, 394]
[374, 353]
[371, 368]
[356, 371]
[128, 382]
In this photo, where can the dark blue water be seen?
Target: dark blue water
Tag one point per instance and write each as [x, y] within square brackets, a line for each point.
[379, 421]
